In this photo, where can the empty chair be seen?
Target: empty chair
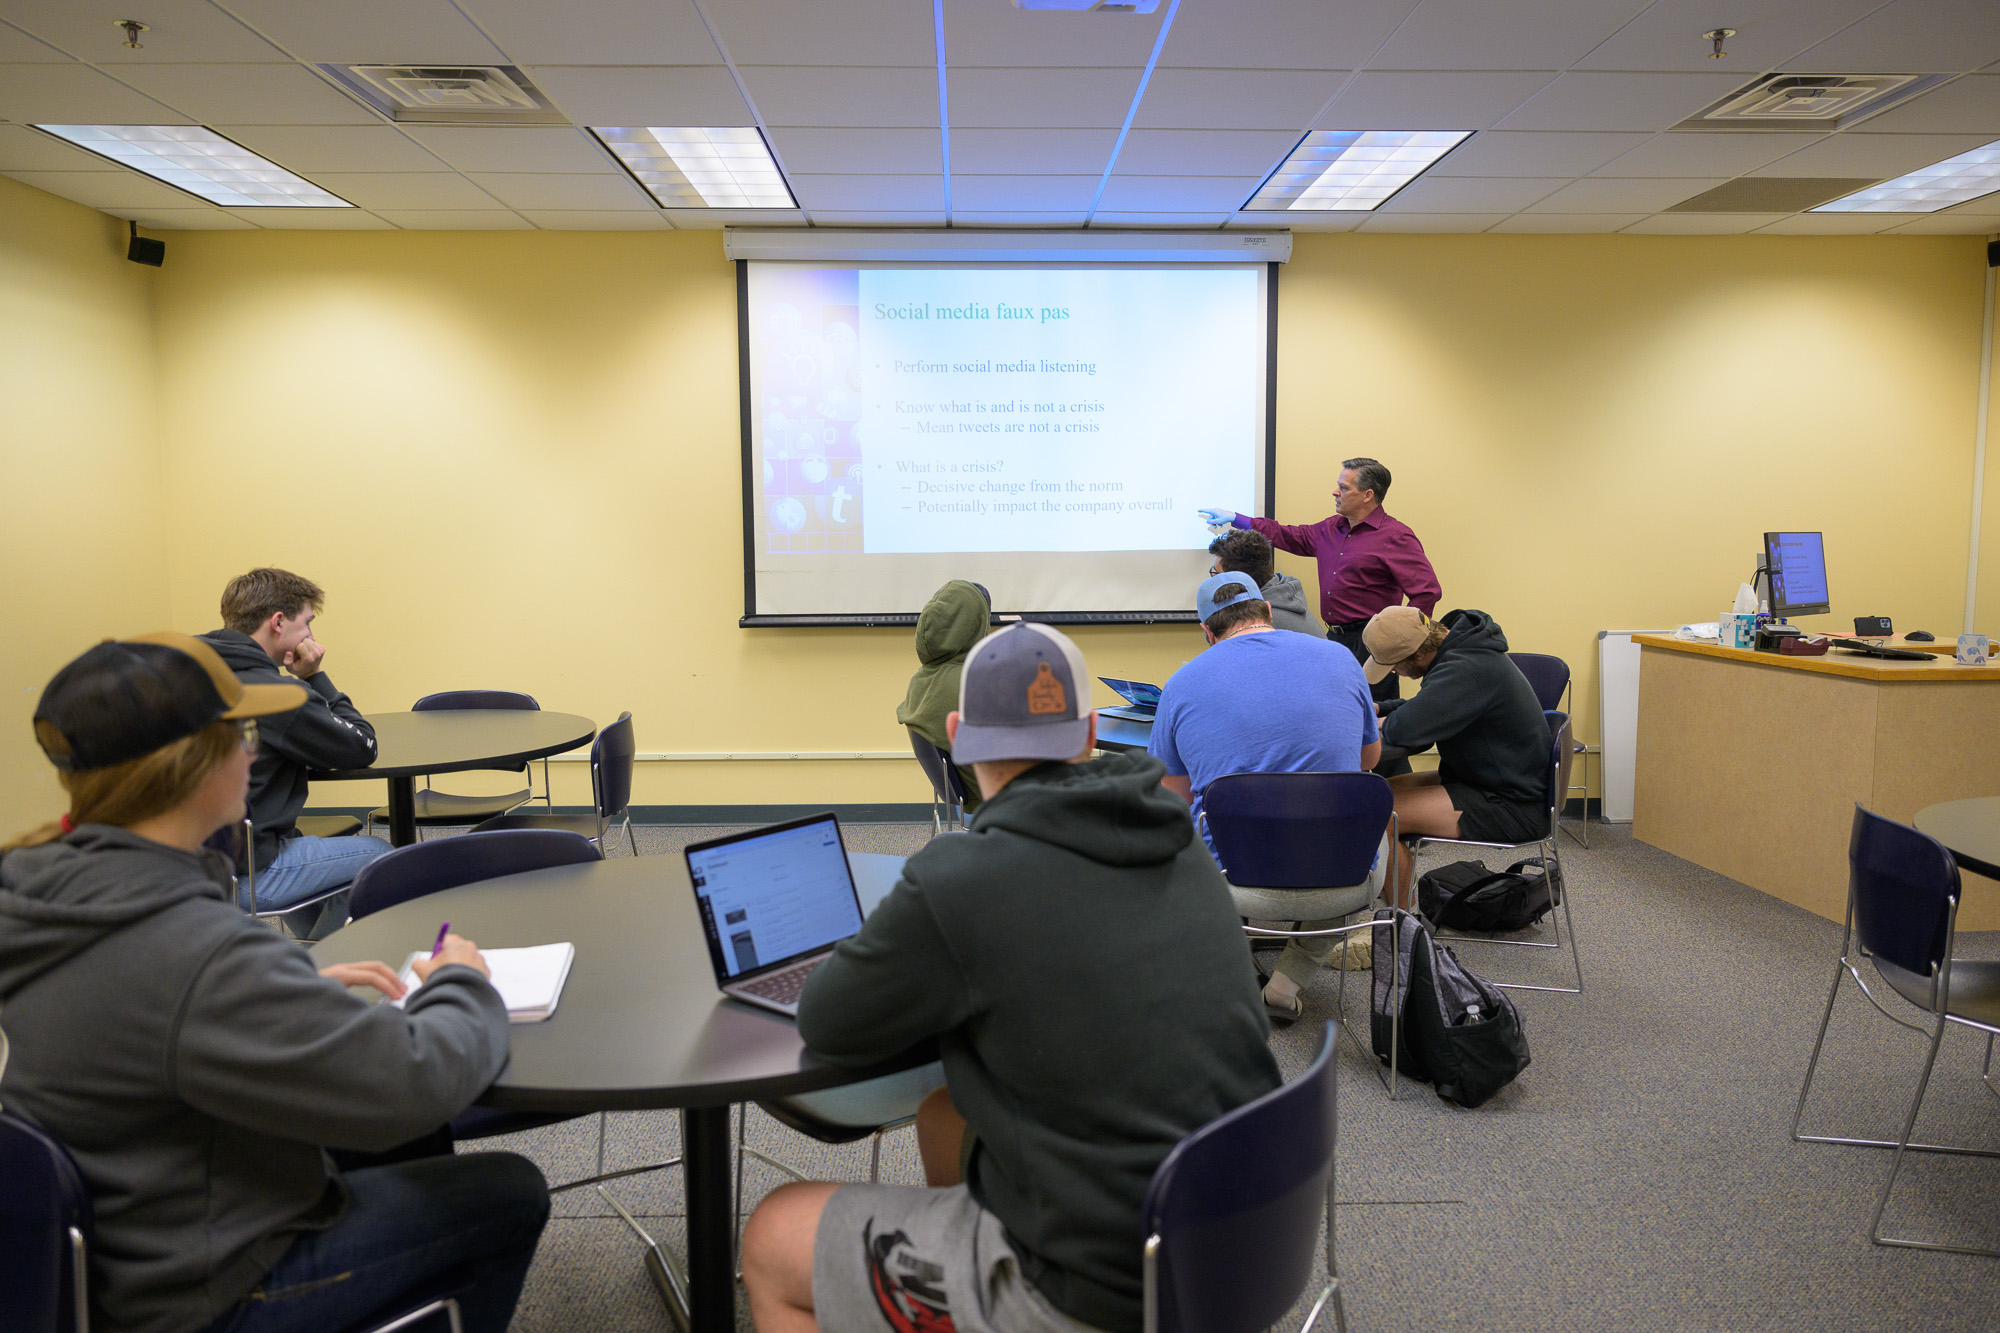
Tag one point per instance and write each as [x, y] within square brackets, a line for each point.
[444, 808]
[610, 788]
[445, 863]
[1232, 1217]
[947, 787]
[1902, 916]
[1549, 677]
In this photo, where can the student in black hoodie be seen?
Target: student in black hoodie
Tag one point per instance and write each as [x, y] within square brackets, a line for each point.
[1079, 961]
[1480, 712]
[267, 618]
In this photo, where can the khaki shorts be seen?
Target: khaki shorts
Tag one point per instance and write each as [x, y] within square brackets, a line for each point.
[930, 1260]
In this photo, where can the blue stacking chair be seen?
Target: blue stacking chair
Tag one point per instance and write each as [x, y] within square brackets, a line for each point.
[1549, 677]
[947, 787]
[435, 807]
[1902, 912]
[1233, 1214]
[611, 758]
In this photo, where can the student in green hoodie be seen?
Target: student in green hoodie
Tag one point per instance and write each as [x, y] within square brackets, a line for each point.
[1079, 961]
[952, 621]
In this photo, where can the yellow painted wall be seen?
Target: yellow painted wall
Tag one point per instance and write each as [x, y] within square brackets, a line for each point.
[513, 459]
[1986, 618]
[83, 551]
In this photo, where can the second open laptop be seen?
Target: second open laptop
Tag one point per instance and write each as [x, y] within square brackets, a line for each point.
[773, 903]
[1142, 701]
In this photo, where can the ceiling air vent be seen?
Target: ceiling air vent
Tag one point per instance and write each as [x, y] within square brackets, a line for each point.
[1810, 101]
[448, 95]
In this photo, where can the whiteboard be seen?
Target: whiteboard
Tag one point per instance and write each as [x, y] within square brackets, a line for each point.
[1618, 720]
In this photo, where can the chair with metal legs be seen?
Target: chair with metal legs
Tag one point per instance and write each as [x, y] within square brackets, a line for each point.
[1549, 677]
[1232, 1217]
[947, 787]
[239, 843]
[1549, 845]
[611, 758]
[1902, 916]
[436, 808]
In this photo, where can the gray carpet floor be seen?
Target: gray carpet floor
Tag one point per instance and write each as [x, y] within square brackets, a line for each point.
[1637, 1176]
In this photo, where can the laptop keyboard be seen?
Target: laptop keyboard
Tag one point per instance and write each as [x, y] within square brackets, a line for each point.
[783, 987]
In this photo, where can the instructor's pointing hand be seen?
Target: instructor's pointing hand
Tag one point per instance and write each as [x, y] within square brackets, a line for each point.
[1218, 518]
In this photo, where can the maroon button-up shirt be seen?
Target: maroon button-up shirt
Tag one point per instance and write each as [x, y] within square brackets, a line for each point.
[1363, 567]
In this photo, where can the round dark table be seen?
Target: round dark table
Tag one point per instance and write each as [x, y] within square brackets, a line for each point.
[1970, 828]
[411, 745]
[640, 1025]
[1123, 735]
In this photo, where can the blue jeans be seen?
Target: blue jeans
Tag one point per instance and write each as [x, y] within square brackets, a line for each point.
[306, 867]
[411, 1231]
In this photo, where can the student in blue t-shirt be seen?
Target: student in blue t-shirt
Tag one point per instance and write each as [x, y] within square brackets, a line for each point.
[1263, 701]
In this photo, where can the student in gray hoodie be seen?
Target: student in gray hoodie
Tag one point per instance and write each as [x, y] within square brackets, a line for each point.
[198, 1068]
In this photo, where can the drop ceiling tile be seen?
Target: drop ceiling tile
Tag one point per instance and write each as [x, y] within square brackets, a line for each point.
[802, 95]
[312, 219]
[1565, 224]
[249, 94]
[1594, 101]
[1465, 223]
[1472, 194]
[370, 32]
[1102, 220]
[1027, 98]
[404, 189]
[856, 32]
[180, 31]
[644, 95]
[1701, 224]
[1541, 153]
[1951, 224]
[562, 190]
[76, 95]
[1204, 152]
[1235, 99]
[1768, 32]
[1698, 154]
[1398, 100]
[1833, 224]
[618, 32]
[1016, 220]
[1606, 194]
[874, 219]
[183, 219]
[107, 189]
[492, 219]
[850, 193]
[309, 148]
[979, 32]
[18, 48]
[1912, 35]
[514, 147]
[585, 220]
[25, 149]
[1025, 152]
[1970, 105]
[1301, 221]
[1280, 34]
[1478, 34]
[715, 219]
[832, 152]
[1879, 155]
[1177, 194]
[1021, 194]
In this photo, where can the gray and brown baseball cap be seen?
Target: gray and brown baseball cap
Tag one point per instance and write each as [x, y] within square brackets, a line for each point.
[1023, 694]
[128, 697]
[1391, 635]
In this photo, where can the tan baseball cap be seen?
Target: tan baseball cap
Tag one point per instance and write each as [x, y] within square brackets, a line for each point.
[1392, 635]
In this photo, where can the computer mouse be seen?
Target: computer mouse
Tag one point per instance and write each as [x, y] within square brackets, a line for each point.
[1921, 636]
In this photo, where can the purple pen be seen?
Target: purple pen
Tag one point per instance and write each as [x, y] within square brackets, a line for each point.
[442, 930]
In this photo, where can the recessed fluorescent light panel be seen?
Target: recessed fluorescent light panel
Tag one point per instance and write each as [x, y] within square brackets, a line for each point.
[201, 162]
[1926, 190]
[700, 168]
[1352, 171]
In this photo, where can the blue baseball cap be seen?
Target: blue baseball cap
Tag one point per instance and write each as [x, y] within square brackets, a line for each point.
[1024, 693]
[1220, 590]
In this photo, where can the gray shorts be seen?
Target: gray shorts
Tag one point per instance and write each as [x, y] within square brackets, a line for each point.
[897, 1257]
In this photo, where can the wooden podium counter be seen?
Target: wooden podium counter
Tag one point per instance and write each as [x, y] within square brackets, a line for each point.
[1750, 763]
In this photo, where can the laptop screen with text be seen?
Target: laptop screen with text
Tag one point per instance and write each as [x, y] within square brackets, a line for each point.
[774, 895]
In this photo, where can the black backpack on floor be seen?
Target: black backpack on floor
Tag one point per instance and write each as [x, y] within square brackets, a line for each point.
[1468, 895]
[1459, 1033]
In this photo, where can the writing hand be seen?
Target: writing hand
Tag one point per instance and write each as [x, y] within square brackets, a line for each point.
[456, 950]
[303, 661]
[378, 975]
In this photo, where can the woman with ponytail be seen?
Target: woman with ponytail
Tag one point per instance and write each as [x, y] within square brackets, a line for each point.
[198, 1067]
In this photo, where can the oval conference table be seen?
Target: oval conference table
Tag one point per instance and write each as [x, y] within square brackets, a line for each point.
[412, 745]
[640, 1024]
[1970, 829]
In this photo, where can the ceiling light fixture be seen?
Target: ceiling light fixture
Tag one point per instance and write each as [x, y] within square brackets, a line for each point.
[716, 167]
[200, 161]
[1351, 171]
[1928, 189]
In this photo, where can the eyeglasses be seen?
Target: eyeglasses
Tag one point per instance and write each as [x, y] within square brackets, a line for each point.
[246, 734]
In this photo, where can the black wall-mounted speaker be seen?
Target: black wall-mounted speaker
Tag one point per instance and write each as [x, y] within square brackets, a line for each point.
[145, 250]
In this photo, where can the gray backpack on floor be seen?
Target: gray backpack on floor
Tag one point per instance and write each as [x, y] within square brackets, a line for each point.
[1460, 1034]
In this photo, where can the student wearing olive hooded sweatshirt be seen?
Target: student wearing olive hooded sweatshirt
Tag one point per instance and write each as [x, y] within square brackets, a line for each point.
[952, 621]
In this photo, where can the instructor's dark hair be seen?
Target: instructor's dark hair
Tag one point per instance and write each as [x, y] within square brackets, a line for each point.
[1370, 475]
[1243, 551]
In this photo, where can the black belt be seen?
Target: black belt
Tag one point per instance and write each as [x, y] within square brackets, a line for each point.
[1351, 627]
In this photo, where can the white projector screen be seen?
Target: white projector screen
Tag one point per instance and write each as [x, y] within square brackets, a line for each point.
[1047, 430]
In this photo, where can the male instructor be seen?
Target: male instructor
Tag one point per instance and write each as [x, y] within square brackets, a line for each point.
[1367, 560]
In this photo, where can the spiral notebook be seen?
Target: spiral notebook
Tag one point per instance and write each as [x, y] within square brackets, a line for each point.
[530, 980]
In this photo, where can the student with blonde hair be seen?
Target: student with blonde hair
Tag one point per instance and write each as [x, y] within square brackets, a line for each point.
[199, 1069]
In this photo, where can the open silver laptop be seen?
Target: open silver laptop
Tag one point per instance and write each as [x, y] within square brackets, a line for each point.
[773, 902]
[1142, 700]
